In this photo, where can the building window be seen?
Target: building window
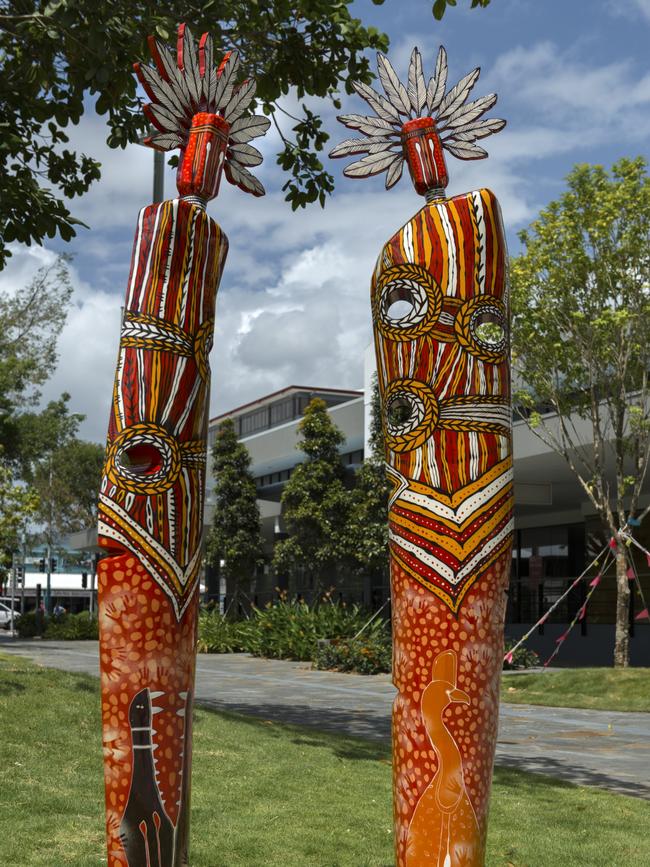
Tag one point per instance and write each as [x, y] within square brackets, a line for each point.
[282, 411]
[544, 561]
[254, 421]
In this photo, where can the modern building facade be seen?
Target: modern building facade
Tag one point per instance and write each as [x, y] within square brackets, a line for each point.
[71, 581]
[556, 535]
[556, 531]
[268, 427]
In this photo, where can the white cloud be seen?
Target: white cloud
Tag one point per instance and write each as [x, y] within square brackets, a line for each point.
[600, 102]
[294, 302]
[309, 327]
[22, 265]
[87, 354]
[643, 7]
[631, 9]
[87, 343]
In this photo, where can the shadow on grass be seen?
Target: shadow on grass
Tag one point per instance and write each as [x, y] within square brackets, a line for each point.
[366, 723]
[13, 686]
[566, 773]
[362, 736]
[358, 750]
[295, 720]
[83, 685]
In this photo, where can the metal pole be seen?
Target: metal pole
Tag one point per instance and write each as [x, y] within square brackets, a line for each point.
[48, 586]
[48, 583]
[13, 592]
[39, 613]
[93, 571]
[158, 176]
[22, 583]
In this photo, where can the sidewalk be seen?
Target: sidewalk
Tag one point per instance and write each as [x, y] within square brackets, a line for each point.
[595, 748]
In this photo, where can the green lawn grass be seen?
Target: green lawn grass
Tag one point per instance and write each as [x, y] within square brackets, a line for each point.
[266, 794]
[623, 689]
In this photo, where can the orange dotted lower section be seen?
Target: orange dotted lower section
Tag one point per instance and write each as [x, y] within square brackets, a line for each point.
[142, 645]
[423, 628]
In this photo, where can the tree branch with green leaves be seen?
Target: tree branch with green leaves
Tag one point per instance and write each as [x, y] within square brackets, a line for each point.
[316, 506]
[234, 539]
[581, 308]
[85, 52]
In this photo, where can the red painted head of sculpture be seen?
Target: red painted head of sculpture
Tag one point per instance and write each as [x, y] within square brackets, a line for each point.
[422, 150]
[202, 160]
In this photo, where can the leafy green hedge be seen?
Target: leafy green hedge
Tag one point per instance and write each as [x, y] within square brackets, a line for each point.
[324, 634]
[523, 657]
[219, 635]
[27, 625]
[371, 655]
[285, 630]
[69, 627]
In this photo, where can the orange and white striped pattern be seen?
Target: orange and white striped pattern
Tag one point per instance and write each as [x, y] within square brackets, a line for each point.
[150, 523]
[440, 315]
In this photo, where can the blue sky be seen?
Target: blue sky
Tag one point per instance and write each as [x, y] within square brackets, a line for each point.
[574, 84]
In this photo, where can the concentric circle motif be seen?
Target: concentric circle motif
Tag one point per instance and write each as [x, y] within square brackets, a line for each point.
[202, 347]
[476, 312]
[138, 481]
[410, 414]
[414, 285]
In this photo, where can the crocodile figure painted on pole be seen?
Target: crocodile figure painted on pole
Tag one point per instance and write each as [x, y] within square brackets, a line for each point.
[440, 319]
[152, 492]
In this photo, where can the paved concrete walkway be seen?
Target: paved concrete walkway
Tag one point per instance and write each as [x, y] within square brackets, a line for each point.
[595, 748]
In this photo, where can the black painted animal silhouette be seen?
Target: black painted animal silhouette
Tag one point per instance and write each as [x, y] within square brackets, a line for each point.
[146, 831]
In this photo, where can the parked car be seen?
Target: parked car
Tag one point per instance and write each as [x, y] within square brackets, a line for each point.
[5, 616]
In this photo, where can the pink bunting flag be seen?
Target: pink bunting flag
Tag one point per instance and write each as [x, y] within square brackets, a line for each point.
[612, 543]
[643, 615]
[596, 581]
[508, 658]
[582, 611]
[542, 619]
[561, 638]
[630, 574]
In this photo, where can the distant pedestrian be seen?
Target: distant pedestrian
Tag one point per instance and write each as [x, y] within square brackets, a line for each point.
[59, 611]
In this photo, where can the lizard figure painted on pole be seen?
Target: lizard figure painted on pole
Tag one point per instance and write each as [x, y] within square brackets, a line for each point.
[440, 320]
[152, 492]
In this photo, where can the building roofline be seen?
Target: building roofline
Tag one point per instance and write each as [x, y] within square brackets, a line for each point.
[353, 392]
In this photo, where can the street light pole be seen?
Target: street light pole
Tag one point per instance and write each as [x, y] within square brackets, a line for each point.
[22, 583]
[158, 176]
[158, 169]
[13, 591]
[48, 586]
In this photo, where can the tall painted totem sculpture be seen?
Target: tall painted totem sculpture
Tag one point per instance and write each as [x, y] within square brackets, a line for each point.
[440, 318]
[151, 499]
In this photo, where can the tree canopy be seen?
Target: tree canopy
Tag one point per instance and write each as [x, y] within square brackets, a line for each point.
[85, 51]
[316, 505]
[18, 505]
[31, 318]
[47, 475]
[581, 305]
[67, 482]
[440, 6]
[234, 537]
[369, 523]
